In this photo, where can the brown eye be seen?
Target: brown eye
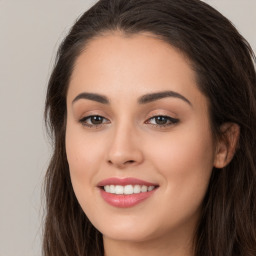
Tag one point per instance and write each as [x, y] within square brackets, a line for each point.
[162, 120]
[92, 121]
[96, 119]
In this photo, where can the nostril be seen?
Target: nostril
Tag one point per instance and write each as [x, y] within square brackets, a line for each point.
[130, 161]
[121, 163]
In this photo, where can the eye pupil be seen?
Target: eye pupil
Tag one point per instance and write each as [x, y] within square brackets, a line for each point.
[161, 120]
[96, 120]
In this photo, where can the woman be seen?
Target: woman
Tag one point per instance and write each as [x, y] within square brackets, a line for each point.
[152, 108]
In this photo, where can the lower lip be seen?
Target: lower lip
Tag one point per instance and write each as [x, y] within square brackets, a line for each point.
[125, 201]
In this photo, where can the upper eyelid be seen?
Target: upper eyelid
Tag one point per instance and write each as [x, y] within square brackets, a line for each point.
[171, 119]
[93, 113]
[89, 116]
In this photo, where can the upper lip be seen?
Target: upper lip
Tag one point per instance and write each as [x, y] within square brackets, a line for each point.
[124, 181]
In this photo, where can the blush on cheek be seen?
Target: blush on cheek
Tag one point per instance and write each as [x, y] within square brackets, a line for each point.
[183, 157]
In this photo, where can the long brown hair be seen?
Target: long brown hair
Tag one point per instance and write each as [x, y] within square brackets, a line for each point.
[223, 62]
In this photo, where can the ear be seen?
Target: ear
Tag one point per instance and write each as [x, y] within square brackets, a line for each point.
[227, 144]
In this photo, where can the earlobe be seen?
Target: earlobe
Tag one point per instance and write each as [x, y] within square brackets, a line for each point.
[227, 145]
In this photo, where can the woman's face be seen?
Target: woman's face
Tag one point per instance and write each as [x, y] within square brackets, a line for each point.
[136, 122]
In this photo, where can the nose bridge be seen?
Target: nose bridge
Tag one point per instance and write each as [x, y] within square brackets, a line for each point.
[124, 146]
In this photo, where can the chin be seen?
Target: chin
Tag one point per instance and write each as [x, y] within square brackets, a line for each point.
[128, 236]
[128, 230]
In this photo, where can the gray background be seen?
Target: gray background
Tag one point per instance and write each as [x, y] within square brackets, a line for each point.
[30, 32]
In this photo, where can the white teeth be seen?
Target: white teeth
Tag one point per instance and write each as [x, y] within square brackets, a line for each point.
[144, 188]
[119, 190]
[150, 188]
[136, 189]
[128, 189]
[107, 188]
[112, 189]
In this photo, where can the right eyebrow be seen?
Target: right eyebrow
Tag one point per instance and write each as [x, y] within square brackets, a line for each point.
[91, 96]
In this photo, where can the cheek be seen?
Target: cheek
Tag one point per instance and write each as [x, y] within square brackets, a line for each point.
[185, 160]
[82, 151]
[83, 156]
[185, 163]
[189, 148]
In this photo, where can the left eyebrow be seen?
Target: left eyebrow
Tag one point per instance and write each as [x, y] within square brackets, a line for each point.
[147, 98]
[160, 95]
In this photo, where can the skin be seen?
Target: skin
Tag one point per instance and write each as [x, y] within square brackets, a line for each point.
[128, 143]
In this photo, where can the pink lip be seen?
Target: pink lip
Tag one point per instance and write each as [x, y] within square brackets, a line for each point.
[124, 181]
[125, 201]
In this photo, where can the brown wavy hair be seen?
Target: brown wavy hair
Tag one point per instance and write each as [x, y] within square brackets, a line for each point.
[224, 64]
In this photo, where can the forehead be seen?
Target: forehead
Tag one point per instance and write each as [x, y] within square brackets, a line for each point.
[131, 66]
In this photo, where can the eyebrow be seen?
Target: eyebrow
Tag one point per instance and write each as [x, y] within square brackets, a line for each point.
[91, 96]
[147, 98]
[160, 95]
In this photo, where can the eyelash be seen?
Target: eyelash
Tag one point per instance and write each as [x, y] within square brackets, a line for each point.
[84, 119]
[171, 121]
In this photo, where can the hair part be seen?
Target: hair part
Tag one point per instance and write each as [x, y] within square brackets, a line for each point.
[223, 63]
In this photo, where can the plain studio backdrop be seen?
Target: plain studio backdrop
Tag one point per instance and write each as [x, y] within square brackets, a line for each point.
[30, 32]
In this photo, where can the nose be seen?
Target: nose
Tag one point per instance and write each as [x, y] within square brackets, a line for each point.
[125, 148]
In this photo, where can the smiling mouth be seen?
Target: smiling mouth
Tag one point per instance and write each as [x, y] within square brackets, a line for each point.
[127, 189]
[126, 192]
